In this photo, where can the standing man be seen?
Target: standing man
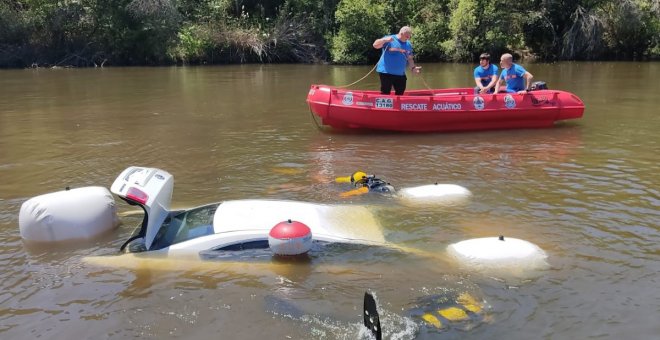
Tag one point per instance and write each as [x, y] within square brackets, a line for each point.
[485, 75]
[396, 56]
[516, 77]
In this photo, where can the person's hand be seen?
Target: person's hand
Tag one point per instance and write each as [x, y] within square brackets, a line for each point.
[483, 90]
[417, 69]
[522, 92]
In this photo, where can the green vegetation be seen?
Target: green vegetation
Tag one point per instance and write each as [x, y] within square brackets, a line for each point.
[161, 32]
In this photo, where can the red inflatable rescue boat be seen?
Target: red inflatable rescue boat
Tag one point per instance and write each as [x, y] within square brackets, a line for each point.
[441, 110]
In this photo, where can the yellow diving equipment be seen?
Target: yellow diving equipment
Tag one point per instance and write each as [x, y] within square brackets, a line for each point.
[358, 177]
[355, 192]
[453, 314]
[351, 179]
[442, 311]
[430, 318]
[364, 184]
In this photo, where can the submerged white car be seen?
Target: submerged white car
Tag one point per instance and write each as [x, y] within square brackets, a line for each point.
[265, 226]
[233, 225]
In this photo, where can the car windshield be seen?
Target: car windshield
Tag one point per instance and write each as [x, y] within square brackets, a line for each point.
[186, 225]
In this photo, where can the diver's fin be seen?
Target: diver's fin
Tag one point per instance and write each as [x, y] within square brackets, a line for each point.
[371, 318]
[355, 192]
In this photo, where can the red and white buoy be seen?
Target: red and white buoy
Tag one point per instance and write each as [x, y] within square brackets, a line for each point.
[290, 238]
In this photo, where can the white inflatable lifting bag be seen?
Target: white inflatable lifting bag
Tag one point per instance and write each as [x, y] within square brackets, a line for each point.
[80, 213]
[434, 194]
[498, 253]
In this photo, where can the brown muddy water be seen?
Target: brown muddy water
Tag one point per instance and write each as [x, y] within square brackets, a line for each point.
[585, 191]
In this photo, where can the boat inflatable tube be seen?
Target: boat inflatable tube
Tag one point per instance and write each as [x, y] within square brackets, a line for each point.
[80, 213]
[498, 253]
[434, 194]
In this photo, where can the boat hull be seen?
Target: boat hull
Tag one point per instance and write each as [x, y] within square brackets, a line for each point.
[441, 110]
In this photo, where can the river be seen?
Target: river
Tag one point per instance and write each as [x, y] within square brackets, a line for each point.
[585, 191]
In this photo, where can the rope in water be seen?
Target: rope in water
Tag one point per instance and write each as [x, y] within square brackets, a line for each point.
[424, 81]
[318, 126]
[359, 80]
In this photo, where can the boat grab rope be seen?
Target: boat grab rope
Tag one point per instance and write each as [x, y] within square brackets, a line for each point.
[318, 126]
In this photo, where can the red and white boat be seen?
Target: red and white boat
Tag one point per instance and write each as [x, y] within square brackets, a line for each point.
[441, 110]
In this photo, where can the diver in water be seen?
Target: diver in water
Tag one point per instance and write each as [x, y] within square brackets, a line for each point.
[440, 313]
[364, 184]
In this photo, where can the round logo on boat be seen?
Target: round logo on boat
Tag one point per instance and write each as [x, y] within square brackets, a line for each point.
[478, 103]
[348, 99]
[509, 102]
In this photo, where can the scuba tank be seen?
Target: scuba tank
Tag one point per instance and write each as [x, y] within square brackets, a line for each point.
[375, 185]
[364, 184]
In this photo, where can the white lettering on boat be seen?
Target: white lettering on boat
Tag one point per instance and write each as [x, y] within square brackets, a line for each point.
[446, 106]
[414, 106]
[384, 103]
[364, 103]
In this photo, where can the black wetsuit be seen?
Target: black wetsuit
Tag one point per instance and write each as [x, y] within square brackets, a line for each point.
[375, 185]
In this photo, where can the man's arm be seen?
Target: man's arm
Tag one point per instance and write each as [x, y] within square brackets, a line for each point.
[478, 82]
[497, 84]
[411, 64]
[378, 43]
[528, 81]
[492, 83]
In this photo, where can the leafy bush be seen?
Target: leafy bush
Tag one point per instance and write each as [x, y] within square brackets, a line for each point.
[429, 27]
[463, 26]
[628, 28]
[139, 32]
[360, 23]
[193, 45]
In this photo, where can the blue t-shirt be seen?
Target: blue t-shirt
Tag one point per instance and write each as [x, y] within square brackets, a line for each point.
[514, 78]
[394, 57]
[486, 75]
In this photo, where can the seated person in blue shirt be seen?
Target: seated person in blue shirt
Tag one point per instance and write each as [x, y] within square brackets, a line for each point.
[517, 79]
[485, 75]
[397, 53]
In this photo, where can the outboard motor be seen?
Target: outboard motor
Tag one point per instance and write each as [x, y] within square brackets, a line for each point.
[538, 85]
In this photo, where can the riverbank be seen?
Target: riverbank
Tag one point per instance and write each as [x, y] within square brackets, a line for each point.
[89, 33]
